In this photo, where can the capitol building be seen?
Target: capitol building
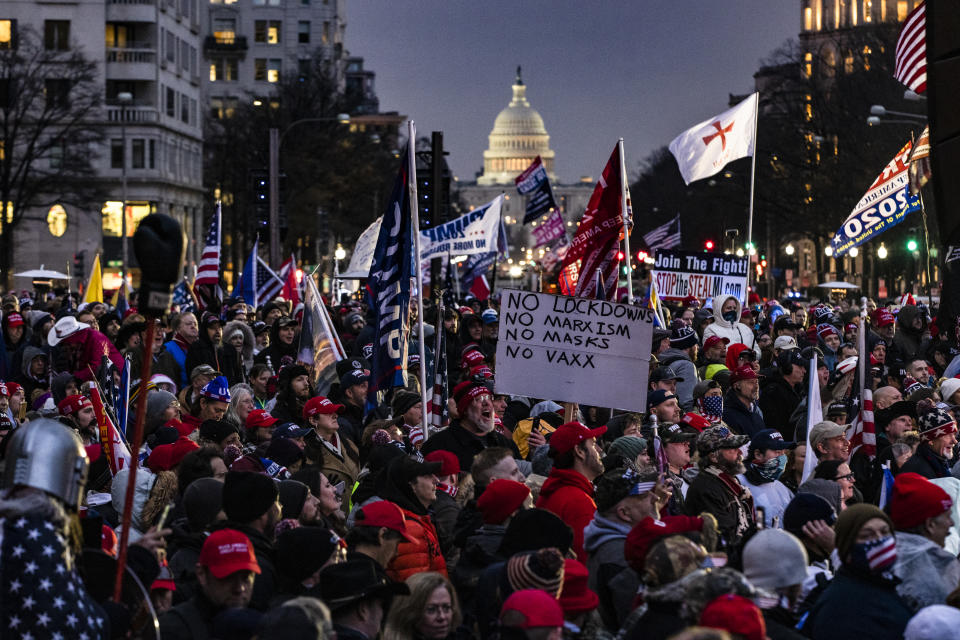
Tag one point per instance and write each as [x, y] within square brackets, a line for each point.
[517, 138]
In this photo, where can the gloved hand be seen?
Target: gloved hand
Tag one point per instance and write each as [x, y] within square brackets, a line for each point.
[160, 246]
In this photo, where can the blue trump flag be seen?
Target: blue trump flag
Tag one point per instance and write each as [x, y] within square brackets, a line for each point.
[389, 289]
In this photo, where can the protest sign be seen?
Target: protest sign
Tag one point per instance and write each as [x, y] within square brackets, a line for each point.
[363, 250]
[474, 232]
[678, 274]
[885, 204]
[574, 350]
[549, 230]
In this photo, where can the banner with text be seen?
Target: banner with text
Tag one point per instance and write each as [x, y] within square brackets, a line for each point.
[475, 232]
[678, 274]
[885, 204]
[535, 184]
[549, 230]
[363, 249]
[574, 350]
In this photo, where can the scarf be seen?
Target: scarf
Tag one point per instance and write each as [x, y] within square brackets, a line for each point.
[449, 489]
[180, 341]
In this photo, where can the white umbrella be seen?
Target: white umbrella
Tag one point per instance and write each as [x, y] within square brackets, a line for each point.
[836, 284]
[42, 274]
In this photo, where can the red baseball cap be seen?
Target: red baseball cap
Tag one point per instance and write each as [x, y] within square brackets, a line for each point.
[260, 418]
[744, 372]
[539, 609]
[72, 404]
[383, 513]
[696, 421]
[15, 320]
[319, 405]
[471, 358]
[13, 388]
[735, 614]
[883, 318]
[569, 435]
[713, 341]
[227, 551]
[449, 463]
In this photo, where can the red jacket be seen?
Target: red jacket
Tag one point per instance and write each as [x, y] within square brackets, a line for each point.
[416, 558]
[569, 495]
[94, 346]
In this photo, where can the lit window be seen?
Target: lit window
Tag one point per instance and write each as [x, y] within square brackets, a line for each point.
[57, 220]
[136, 211]
[807, 18]
[808, 64]
[225, 30]
[273, 70]
[901, 10]
[8, 33]
[213, 72]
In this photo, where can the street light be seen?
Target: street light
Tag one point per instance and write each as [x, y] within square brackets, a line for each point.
[880, 111]
[276, 141]
[124, 98]
[338, 255]
[828, 251]
[854, 252]
[789, 250]
[882, 252]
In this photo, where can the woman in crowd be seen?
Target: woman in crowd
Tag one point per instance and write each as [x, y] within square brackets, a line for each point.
[430, 612]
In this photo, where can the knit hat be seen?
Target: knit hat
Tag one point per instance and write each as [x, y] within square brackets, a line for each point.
[935, 622]
[501, 499]
[489, 316]
[628, 446]
[68, 406]
[737, 615]
[683, 338]
[936, 423]
[915, 499]
[449, 463]
[949, 387]
[575, 596]
[542, 569]
[217, 389]
[829, 490]
[804, 508]
[774, 559]
[646, 532]
[537, 610]
[166, 456]
[284, 451]
[202, 501]
[293, 495]
[247, 495]
[465, 392]
[216, 430]
[850, 522]
[403, 401]
[618, 484]
[300, 552]
[533, 529]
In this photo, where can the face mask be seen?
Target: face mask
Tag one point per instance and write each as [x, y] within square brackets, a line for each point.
[730, 316]
[772, 469]
[875, 556]
[711, 405]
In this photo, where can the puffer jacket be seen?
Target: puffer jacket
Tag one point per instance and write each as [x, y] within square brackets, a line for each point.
[736, 331]
[569, 495]
[423, 556]
[929, 573]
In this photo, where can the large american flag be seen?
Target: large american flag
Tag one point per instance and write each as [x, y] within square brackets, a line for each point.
[269, 284]
[863, 431]
[911, 51]
[208, 271]
[666, 236]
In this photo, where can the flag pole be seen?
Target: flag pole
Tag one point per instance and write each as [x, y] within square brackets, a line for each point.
[415, 218]
[753, 176]
[624, 209]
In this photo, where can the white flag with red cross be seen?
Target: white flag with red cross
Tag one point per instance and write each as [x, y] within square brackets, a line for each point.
[706, 148]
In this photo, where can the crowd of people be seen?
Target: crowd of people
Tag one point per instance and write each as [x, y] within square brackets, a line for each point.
[264, 509]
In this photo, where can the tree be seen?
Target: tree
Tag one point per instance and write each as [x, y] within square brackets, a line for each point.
[49, 111]
[328, 166]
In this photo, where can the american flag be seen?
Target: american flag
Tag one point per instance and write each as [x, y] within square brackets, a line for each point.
[269, 284]
[206, 286]
[437, 415]
[183, 297]
[911, 51]
[40, 596]
[863, 431]
[666, 236]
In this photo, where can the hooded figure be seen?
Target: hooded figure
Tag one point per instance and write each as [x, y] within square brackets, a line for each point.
[249, 342]
[27, 379]
[909, 341]
[279, 353]
[729, 326]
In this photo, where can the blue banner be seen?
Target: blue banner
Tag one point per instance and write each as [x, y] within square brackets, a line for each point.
[535, 184]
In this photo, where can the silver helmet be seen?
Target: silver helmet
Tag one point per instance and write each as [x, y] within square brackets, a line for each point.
[47, 455]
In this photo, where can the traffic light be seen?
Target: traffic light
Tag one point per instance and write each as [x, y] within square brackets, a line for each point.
[642, 256]
[79, 264]
[620, 255]
[708, 245]
[912, 244]
[260, 194]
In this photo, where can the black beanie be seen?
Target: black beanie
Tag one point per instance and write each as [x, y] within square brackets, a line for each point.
[202, 501]
[293, 495]
[534, 529]
[216, 430]
[302, 551]
[247, 495]
[402, 401]
[284, 451]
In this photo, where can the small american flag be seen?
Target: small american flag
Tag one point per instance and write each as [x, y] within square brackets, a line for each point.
[437, 416]
[863, 431]
[208, 271]
[666, 236]
[269, 284]
[911, 51]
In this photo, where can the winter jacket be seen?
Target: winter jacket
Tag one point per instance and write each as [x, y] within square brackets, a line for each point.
[278, 354]
[929, 573]
[728, 501]
[336, 467]
[25, 379]
[443, 514]
[183, 563]
[908, 342]
[249, 342]
[603, 540]
[463, 444]
[94, 348]
[739, 417]
[684, 367]
[173, 363]
[736, 331]
[191, 620]
[569, 495]
[772, 496]
[927, 463]
[778, 400]
[856, 605]
[424, 555]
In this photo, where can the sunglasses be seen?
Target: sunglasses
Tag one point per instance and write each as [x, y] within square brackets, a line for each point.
[848, 476]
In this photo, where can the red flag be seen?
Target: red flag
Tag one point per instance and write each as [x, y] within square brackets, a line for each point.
[480, 289]
[118, 456]
[596, 246]
[291, 288]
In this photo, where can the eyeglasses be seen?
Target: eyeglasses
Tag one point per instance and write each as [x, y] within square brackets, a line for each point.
[849, 476]
[434, 609]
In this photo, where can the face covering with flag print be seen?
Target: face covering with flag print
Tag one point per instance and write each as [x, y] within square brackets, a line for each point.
[875, 556]
[771, 469]
[711, 407]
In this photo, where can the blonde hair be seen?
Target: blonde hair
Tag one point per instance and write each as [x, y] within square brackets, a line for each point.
[406, 611]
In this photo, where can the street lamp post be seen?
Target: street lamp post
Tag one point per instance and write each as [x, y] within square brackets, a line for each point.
[338, 255]
[276, 142]
[124, 98]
